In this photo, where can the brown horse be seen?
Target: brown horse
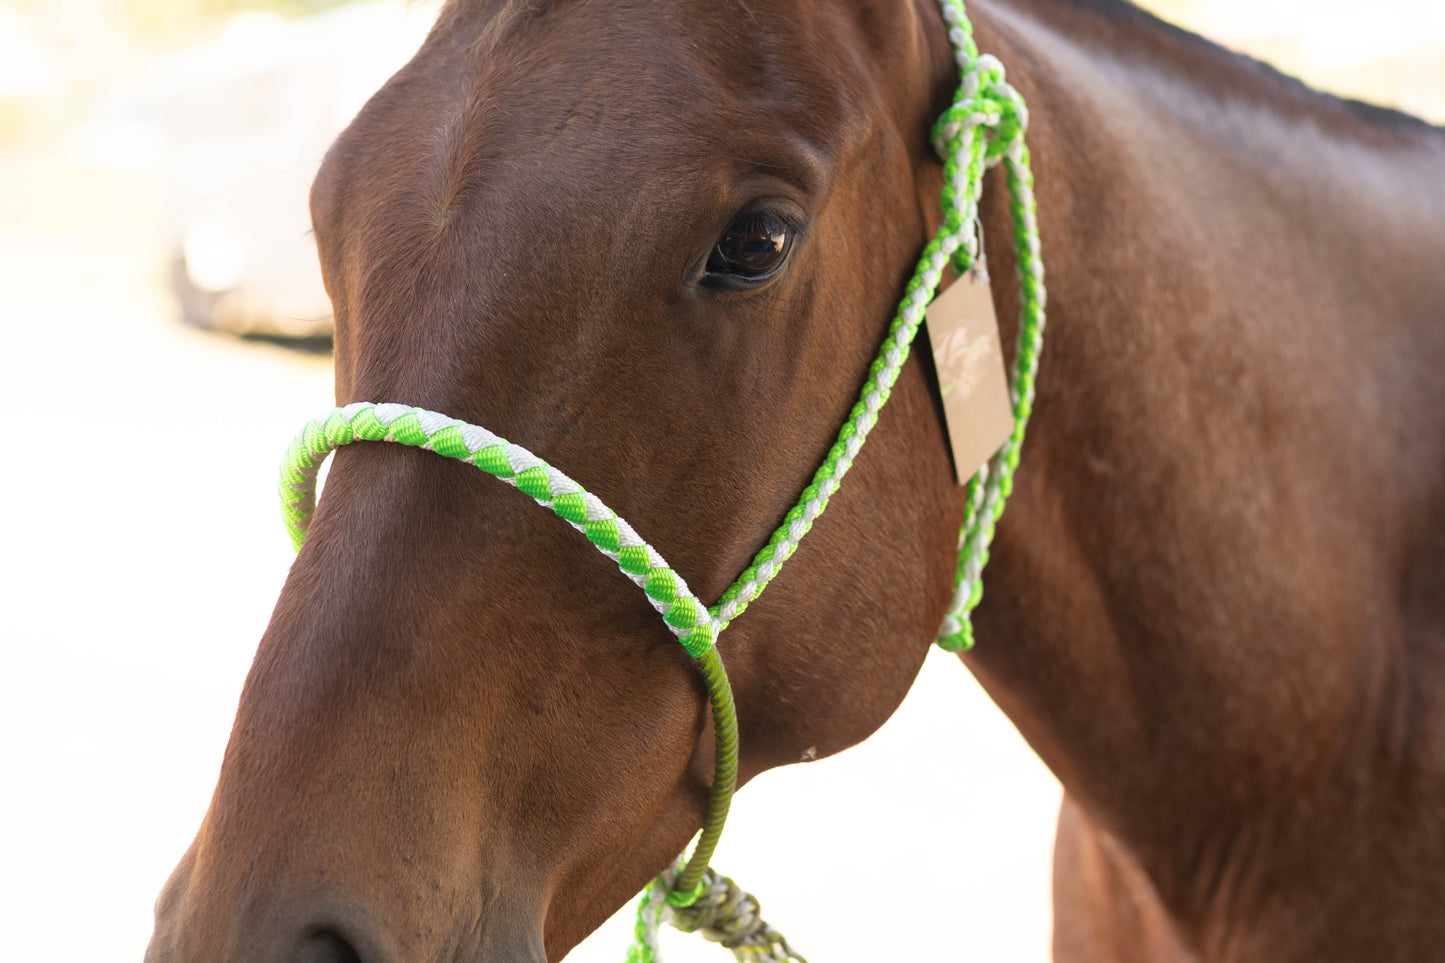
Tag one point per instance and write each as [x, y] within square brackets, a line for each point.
[1217, 602]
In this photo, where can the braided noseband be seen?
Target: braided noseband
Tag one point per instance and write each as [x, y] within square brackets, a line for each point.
[984, 126]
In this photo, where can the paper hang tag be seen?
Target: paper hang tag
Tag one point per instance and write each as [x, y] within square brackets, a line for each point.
[967, 354]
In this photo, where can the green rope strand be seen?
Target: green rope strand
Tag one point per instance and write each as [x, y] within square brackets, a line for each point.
[725, 773]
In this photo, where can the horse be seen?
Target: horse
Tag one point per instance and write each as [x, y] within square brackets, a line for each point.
[1215, 604]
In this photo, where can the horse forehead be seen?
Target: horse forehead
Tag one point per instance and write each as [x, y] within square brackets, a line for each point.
[659, 67]
[567, 107]
[493, 25]
[493, 163]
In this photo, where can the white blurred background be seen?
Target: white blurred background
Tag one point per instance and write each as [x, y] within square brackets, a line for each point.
[154, 163]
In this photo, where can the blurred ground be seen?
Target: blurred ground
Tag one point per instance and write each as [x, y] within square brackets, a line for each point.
[142, 553]
[136, 576]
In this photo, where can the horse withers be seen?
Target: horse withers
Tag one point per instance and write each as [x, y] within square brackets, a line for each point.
[1215, 605]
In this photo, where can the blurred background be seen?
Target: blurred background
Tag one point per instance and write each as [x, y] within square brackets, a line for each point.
[163, 333]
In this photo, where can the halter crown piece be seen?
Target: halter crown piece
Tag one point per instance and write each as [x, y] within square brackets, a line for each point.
[984, 126]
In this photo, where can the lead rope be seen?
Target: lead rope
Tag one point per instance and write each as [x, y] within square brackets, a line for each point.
[984, 126]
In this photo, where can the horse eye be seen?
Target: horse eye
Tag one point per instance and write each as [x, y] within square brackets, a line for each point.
[752, 249]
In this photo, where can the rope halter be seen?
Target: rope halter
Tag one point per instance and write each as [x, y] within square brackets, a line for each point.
[983, 127]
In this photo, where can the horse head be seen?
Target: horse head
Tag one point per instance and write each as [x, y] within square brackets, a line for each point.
[658, 245]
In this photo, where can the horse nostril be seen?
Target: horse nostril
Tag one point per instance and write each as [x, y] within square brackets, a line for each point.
[327, 946]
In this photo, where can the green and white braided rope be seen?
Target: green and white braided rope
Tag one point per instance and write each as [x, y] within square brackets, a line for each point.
[985, 125]
[666, 590]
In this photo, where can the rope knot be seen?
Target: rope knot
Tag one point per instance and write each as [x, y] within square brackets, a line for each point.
[720, 910]
[725, 913]
[985, 101]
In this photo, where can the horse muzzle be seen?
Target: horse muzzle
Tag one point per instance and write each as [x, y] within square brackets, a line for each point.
[321, 928]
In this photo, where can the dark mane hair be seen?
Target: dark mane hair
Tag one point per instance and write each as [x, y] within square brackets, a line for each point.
[1126, 13]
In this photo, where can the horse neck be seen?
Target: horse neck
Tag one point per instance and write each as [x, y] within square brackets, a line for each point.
[1194, 596]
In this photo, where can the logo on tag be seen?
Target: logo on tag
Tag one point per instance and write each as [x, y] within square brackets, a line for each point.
[963, 330]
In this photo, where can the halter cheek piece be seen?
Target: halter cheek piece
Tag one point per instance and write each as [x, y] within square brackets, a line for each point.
[984, 126]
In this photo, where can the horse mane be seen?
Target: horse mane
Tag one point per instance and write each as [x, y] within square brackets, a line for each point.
[1234, 73]
[1243, 75]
